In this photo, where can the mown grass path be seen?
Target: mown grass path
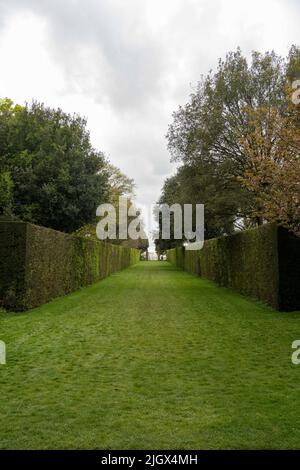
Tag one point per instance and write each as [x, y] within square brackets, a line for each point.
[151, 357]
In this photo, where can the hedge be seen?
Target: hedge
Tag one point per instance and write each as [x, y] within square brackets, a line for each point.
[38, 264]
[263, 263]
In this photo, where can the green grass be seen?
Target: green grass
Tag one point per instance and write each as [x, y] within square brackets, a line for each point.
[151, 357]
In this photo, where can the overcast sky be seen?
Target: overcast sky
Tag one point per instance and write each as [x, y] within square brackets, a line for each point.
[127, 64]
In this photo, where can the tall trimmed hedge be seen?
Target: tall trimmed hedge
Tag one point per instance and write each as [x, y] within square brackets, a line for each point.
[263, 263]
[38, 264]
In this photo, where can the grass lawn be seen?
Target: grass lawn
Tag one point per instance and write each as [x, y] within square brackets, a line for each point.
[151, 357]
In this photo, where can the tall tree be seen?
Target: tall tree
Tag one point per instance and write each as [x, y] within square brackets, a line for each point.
[49, 170]
[209, 127]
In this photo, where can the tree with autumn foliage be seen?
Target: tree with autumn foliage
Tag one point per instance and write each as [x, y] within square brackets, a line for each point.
[273, 165]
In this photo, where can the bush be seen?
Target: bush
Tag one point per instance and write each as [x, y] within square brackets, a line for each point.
[38, 264]
[263, 263]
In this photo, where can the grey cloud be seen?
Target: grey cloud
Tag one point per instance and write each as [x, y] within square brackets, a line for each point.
[127, 61]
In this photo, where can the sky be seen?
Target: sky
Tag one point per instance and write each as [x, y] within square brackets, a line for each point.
[126, 65]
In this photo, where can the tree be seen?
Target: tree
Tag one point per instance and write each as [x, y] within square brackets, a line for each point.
[209, 127]
[6, 191]
[50, 173]
[272, 175]
[119, 186]
[202, 184]
[209, 133]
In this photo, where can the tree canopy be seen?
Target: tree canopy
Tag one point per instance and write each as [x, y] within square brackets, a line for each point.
[49, 172]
